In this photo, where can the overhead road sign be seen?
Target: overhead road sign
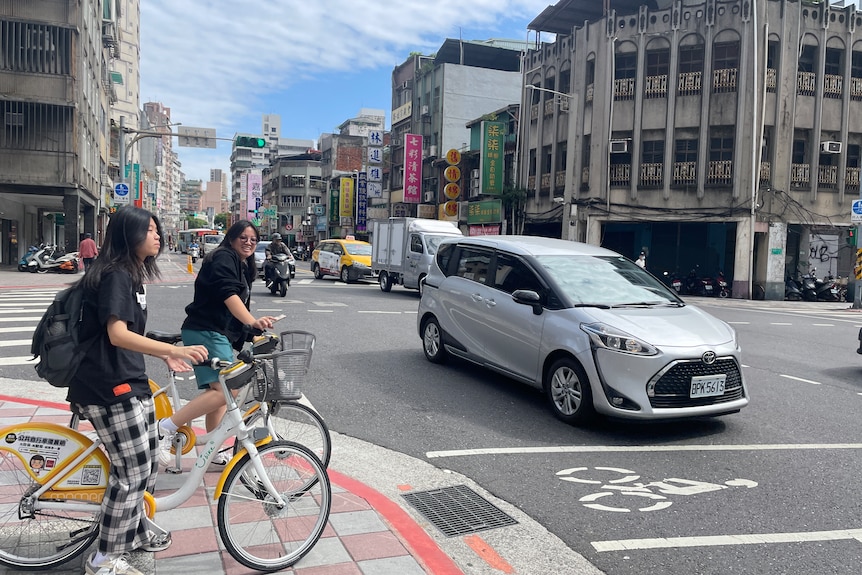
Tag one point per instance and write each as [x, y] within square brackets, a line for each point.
[196, 137]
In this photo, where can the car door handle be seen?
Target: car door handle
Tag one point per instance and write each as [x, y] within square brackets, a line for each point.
[476, 297]
[490, 302]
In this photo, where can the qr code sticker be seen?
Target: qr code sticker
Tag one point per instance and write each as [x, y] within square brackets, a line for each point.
[90, 475]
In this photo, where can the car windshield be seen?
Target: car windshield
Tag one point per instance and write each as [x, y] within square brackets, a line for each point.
[358, 249]
[433, 242]
[606, 281]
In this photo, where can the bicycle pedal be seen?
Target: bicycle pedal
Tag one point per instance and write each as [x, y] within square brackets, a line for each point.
[173, 470]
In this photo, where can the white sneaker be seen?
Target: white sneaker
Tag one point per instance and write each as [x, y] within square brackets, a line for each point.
[166, 439]
[219, 462]
[117, 565]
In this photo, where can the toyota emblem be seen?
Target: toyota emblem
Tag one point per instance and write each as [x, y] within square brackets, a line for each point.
[708, 357]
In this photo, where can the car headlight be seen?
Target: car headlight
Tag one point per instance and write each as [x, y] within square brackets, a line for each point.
[359, 265]
[613, 339]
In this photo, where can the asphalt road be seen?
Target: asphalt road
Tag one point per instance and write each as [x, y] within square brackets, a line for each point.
[771, 490]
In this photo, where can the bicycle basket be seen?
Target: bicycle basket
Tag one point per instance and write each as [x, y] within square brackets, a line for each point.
[281, 375]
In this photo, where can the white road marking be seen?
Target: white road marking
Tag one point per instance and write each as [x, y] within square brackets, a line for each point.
[636, 449]
[780, 323]
[25, 308]
[320, 311]
[28, 328]
[739, 322]
[13, 342]
[27, 318]
[378, 311]
[823, 324]
[18, 360]
[799, 379]
[716, 540]
[329, 303]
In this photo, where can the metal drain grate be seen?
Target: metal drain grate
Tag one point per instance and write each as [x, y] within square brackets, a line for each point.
[458, 510]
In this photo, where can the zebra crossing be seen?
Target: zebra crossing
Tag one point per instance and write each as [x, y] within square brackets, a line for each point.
[20, 312]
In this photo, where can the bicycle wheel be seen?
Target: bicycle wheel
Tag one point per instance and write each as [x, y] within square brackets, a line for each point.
[296, 422]
[258, 533]
[33, 539]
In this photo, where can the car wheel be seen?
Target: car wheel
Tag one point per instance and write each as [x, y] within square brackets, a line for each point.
[432, 341]
[345, 274]
[568, 391]
[385, 282]
[317, 274]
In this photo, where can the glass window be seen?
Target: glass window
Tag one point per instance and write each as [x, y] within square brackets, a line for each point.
[473, 264]
[416, 243]
[513, 274]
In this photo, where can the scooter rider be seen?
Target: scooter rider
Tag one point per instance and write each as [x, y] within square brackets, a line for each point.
[276, 246]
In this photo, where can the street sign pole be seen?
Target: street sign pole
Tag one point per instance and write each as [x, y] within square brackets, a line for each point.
[856, 218]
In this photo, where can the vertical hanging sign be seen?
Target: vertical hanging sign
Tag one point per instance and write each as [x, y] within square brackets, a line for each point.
[491, 159]
[361, 202]
[412, 168]
[345, 204]
[375, 165]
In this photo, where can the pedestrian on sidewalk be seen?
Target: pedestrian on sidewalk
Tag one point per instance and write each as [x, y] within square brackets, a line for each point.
[88, 250]
[218, 318]
[111, 387]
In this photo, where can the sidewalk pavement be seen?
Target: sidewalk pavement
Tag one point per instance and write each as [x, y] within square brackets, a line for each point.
[372, 529]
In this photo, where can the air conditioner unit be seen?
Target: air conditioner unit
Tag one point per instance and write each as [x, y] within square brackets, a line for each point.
[619, 146]
[426, 111]
[564, 103]
[432, 151]
[830, 147]
[428, 196]
[474, 174]
[463, 211]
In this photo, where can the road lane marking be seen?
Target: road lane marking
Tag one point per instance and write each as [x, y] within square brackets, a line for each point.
[799, 379]
[28, 328]
[739, 322]
[823, 324]
[378, 311]
[320, 311]
[716, 540]
[780, 323]
[18, 360]
[636, 449]
[7, 319]
[14, 342]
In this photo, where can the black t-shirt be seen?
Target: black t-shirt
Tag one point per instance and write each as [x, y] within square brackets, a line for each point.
[221, 276]
[109, 374]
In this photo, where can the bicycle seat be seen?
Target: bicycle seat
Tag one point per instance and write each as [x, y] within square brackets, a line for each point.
[165, 336]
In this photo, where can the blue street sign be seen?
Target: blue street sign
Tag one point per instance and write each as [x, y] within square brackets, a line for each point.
[857, 206]
[121, 193]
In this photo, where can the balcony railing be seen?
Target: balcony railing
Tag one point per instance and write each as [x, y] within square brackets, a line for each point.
[531, 182]
[621, 174]
[560, 179]
[724, 80]
[856, 88]
[545, 181]
[534, 112]
[771, 81]
[720, 172]
[827, 176]
[549, 107]
[806, 83]
[655, 86]
[833, 86]
[624, 89]
[690, 83]
[651, 175]
[851, 179]
[684, 173]
[800, 175]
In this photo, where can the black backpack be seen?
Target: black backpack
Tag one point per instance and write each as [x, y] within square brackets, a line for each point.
[56, 341]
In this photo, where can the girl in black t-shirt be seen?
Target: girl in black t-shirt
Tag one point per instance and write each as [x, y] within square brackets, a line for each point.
[110, 387]
[217, 318]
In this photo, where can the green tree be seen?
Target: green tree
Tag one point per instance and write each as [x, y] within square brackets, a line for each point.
[514, 200]
[195, 222]
[221, 221]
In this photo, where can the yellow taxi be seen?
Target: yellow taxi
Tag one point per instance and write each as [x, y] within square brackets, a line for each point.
[348, 259]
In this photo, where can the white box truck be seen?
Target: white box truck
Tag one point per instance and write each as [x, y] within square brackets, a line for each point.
[402, 249]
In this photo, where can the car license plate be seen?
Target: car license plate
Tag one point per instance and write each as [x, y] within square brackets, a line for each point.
[707, 385]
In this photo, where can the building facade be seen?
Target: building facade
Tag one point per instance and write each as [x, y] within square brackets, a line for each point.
[716, 135]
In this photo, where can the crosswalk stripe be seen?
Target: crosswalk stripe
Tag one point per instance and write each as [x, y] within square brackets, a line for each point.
[18, 328]
[28, 318]
[18, 360]
[14, 342]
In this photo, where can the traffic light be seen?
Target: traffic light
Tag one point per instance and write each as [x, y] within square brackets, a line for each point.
[250, 142]
[851, 237]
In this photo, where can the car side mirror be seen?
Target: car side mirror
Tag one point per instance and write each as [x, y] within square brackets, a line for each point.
[530, 298]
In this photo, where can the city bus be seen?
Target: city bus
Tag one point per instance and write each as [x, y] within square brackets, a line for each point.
[185, 237]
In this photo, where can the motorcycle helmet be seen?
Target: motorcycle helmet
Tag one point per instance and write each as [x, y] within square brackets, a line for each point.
[275, 236]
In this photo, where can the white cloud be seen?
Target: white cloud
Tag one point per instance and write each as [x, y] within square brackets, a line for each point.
[216, 63]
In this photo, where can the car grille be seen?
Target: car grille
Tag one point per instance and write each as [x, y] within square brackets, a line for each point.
[672, 388]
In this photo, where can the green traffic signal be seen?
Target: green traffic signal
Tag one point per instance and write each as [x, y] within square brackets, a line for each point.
[250, 142]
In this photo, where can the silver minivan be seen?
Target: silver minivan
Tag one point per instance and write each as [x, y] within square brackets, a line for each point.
[594, 331]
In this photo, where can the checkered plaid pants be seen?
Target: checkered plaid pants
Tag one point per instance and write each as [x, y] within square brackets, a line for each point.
[128, 432]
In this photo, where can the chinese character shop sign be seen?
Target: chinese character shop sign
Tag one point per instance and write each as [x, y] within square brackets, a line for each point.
[485, 212]
[412, 168]
[361, 202]
[345, 206]
[491, 159]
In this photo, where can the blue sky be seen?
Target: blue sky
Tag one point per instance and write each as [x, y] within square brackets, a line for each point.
[223, 64]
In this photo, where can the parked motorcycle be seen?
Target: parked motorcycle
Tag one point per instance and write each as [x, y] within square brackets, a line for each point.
[696, 285]
[279, 279]
[22, 263]
[826, 289]
[673, 281]
[809, 286]
[723, 286]
[52, 259]
[792, 289]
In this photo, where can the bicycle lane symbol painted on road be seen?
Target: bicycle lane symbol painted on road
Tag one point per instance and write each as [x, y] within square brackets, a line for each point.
[623, 482]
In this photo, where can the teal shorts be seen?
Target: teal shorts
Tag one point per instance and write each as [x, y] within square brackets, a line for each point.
[217, 345]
